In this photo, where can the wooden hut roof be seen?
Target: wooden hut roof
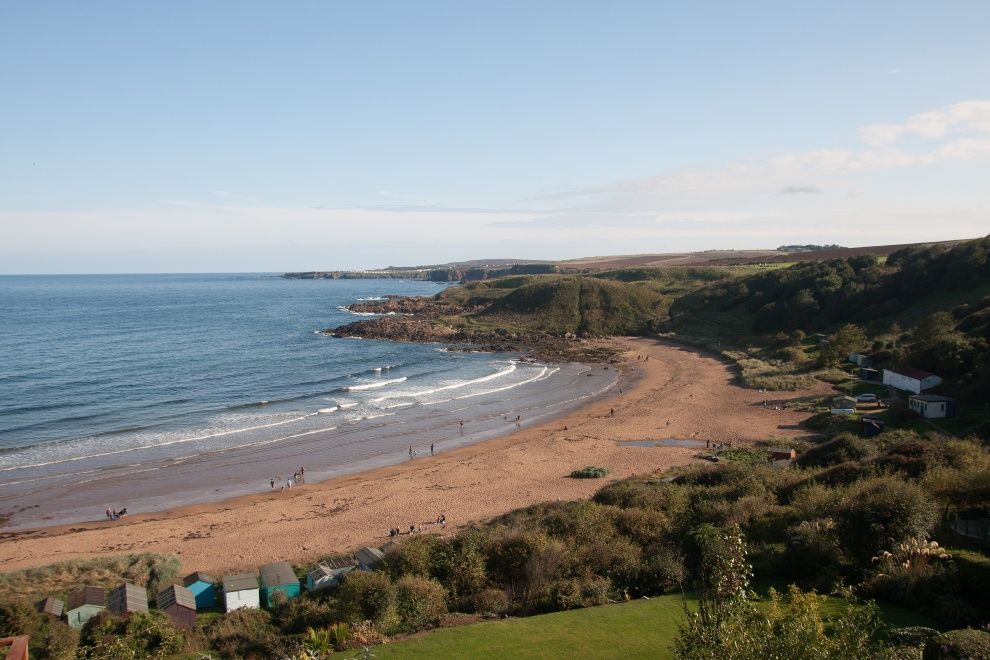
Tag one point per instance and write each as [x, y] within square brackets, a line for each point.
[198, 576]
[176, 594]
[51, 606]
[279, 573]
[240, 582]
[339, 561]
[127, 597]
[369, 556]
[87, 596]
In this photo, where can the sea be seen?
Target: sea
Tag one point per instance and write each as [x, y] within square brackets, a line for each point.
[142, 388]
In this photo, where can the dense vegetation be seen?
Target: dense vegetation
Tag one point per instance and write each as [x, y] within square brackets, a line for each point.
[855, 514]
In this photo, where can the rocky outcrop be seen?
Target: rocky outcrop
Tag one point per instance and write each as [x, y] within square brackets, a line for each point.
[420, 306]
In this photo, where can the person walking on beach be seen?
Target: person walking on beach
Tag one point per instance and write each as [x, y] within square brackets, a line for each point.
[410, 451]
[431, 449]
[273, 483]
[109, 514]
[302, 473]
[462, 426]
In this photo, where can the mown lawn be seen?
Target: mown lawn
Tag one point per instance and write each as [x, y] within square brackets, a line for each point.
[638, 629]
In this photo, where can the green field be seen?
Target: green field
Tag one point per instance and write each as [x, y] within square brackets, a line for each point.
[638, 629]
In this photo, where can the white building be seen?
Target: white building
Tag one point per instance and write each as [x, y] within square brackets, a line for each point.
[931, 406]
[240, 591]
[910, 379]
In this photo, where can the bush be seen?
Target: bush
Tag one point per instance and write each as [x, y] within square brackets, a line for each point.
[368, 596]
[917, 636]
[296, 615]
[590, 472]
[413, 557]
[419, 602]
[813, 556]
[491, 601]
[661, 570]
[877, 514]
[965, 643]
[140, 635]
[245, 633]
[50, 639]
[845, 447]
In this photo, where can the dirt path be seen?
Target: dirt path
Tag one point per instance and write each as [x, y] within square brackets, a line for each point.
[677, 392]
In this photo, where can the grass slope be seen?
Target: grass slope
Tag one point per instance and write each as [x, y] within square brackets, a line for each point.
[638, 629]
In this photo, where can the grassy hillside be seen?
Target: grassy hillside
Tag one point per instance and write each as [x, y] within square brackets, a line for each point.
[638, 629]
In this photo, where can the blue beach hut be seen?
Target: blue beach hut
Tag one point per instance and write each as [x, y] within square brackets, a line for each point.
[278, 578]
[202, 587]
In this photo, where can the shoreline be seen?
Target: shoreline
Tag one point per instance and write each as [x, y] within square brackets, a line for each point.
[669, 397]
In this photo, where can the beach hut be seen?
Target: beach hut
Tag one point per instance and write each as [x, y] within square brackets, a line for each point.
[869, 374]
[932, 406]
[782, 453]
[278, 578]
[369, 558]
[240, 590]
[179, 604]
[84, 604]
[870, 427]
[910, 379]
[861, 359]
[327, 572]
[203, 589]
[127, 598]
[51, 606]
[843, 405]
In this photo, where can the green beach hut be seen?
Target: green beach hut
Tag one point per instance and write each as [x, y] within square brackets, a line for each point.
[84, 604]
[278, 578]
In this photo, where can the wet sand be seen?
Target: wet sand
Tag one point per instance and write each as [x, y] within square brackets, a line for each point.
[677, 393]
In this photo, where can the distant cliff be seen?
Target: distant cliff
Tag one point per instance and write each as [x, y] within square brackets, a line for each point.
[451, 273]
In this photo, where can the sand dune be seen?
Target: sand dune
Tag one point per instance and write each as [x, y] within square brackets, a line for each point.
[677, 393]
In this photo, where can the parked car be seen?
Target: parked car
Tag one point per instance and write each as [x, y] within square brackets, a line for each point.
[867, 398]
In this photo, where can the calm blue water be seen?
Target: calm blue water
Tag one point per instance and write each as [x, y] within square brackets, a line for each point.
[153, 391]
[92, 364]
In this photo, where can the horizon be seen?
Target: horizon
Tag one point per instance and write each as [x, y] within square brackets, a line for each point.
[243, 137]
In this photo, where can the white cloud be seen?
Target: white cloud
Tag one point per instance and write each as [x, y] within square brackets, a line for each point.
[965, 117]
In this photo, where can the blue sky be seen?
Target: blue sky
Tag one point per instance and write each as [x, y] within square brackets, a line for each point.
[246, 136]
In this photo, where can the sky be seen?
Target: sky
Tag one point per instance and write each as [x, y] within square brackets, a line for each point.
[243, 136]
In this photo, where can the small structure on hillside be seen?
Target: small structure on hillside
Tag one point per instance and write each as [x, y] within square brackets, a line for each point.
[127, 598]
[782, 453]
[179, 604]
[843, 405]
[861, 359]
[369, 558]
[871, 375]
[910, 379]
[870, 427]
[17, 647]
[240, 590]
[84, 604]
[203, 588]
[51, 606]
[932, 406]
[327, 572]
[278, 578]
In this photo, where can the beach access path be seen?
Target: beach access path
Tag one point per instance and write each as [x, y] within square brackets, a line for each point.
[679, 392]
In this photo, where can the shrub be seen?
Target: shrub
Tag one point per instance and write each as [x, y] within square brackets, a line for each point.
[813, 556]
[661, 570]
[50, 639]
[590, 472]
[141, 635]
[245, 633]
[296, 615]
[491, 601]
[966, 643]
[414, 556]
[419, 602]
[845, 447]
[916, 636]
[879, 513]
[644, 526]
[368, 596]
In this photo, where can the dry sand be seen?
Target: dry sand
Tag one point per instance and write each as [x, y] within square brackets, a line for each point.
[677, 393]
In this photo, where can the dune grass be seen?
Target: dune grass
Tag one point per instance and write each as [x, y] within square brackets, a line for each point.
[58, 579]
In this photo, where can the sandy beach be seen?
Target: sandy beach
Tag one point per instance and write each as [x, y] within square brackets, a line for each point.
[668, 392]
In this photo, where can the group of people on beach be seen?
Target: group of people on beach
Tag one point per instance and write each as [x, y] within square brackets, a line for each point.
[113, 514]
[297, 478]
[416, 529]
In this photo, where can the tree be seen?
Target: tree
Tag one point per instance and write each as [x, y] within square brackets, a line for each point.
[847, 339]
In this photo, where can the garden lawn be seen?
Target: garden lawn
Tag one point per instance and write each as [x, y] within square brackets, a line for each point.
[638, 629]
